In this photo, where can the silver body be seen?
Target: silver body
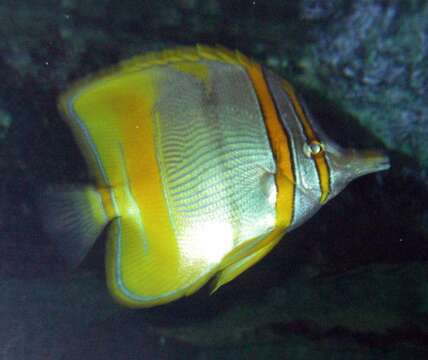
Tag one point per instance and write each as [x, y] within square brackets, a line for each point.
[215, 161]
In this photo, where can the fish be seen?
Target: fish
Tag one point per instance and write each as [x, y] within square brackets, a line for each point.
[201, 160]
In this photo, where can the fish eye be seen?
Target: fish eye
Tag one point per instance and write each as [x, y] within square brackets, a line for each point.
[313, 148]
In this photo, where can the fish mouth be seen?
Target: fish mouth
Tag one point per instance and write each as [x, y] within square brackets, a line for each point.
[367, 162]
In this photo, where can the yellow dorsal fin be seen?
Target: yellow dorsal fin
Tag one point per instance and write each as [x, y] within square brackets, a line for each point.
[185, 53]
[163, 57]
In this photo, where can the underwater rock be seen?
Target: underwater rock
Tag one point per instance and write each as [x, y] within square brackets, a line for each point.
[369, 57]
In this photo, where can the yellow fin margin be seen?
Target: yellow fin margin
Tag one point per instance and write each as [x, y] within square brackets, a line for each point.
[185, 53]
[233, 270]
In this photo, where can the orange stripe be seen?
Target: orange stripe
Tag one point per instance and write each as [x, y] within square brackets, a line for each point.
[284, 177]
[320, 159]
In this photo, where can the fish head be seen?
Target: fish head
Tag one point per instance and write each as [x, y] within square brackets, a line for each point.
[335, 165]
[322, 168]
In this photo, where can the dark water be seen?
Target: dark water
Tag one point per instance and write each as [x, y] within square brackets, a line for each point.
[352, 283]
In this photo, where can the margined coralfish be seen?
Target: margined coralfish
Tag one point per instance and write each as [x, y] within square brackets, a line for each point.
[202, 160]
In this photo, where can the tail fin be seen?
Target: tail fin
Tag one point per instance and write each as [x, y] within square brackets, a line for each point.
[73, 217]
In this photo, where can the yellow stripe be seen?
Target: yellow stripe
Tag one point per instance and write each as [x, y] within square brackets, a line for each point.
[137, 131]
[284, 177]
[320, 159]
[118, 112]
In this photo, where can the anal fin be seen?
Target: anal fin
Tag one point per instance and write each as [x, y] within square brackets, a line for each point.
[232, 271]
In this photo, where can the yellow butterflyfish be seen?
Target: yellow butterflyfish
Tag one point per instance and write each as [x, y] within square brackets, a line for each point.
[202, 160]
